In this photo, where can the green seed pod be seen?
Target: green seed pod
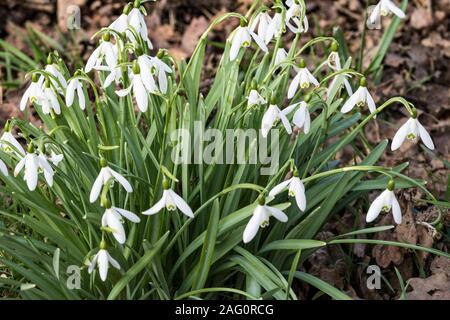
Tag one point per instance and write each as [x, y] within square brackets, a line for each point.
[391, 185]
[363, 82]
[136, 69]
[103, 162]
[35, 77]
[165, 184]
[302, 64]
[106, 37]
[334, 46]
[261, 200]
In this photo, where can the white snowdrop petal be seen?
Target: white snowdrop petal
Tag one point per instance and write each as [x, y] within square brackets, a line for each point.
[425, 136]
[252, 228]
[181, 204]
[277, 214]
[70, 93]
[157, 207]
[352, 101]
[92, 264]
[3, 168]
[236, 43]
[103, 264]
[396, 211]
[124, 182]
[128, 215]
[113, 262]
[97, 187]
[400, 136]
[118, 231]
[279, 188]
[375, 208]
[140, 93]
[394, 9]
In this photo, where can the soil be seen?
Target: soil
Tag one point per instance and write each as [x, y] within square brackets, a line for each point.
[416, 67]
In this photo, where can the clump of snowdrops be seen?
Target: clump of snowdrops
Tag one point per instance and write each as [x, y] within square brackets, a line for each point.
[99, 208]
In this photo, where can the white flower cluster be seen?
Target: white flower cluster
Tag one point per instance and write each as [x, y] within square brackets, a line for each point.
[148, 74]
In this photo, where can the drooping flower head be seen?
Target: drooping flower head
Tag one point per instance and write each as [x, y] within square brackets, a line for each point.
[294, 19]
[112, 218]
[295, 189]
[33, 92]
[272, 115]
[103, 259]
[105, 51]
[142, 84]
[383, 8]
[360, 98]
[171, 201]
[242, 38]
[106, 174]
[385, 202]
[334, 63]
[303, 79]
[260, 219]
[412, 130]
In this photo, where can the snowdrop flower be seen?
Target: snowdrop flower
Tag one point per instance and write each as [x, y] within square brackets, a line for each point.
[48, 100]
[295, 189]
[115, 74]
[304, 79]
[112, 218]
[242, 38]
[276, 26]
[53, 69]
[171, 201]
[272, 116]
[30, 162]
[412, 130]
[260, 219]
[10, 140]
[280, 56]
[153, 66]
[105, 174]
[385, 202]
[3, 168]
[141, 83]
[137, 21]
[263, 20]
[302, 118]
[45, 167]
[120, 25]
[32, 92]
[34, 163]
[360, 98]
[103, 259]
[55, 158]
[334, 62]
[294, 14]
[255, 99]
[75, 85]
[105, 51]
[383, 8]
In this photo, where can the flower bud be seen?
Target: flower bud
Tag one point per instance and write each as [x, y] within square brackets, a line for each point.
[261, 200]
[136, 69]
[106, 36]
